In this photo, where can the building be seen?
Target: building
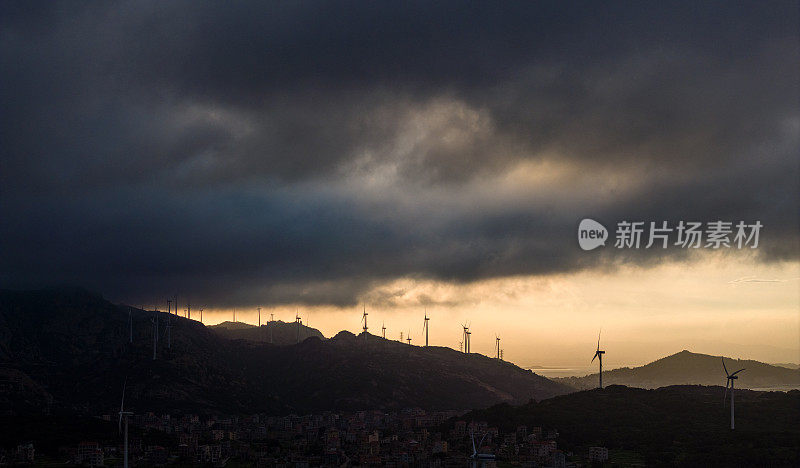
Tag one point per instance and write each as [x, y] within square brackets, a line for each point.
[25, 453]
[598, 454]
[90, 454]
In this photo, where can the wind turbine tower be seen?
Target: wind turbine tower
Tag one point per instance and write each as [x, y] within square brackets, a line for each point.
[123, 417]
[425, 327]
[469, 336]
[464, 337]
[383, 330]
[169, 332]
[297, 321]
[599, 355]
[259, 316]
[409, 338]
[497, 345]
[154, 321]
[169, 306]
[731, 379]
[364, 319]
[201, 315]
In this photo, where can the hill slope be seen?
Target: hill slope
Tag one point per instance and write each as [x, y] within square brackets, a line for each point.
[72, 348]
[679, 425]
[687, 368]
[276, 332]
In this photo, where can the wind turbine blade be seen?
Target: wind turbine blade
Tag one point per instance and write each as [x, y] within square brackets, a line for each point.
[723, 366]
[725, 396]
[737, 372]
[598, 340]
[474, 450]
[595, 356]
[122, 403]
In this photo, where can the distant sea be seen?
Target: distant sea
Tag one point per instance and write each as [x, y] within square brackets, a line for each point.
[572, 371]
[581, 371]
[779, 388]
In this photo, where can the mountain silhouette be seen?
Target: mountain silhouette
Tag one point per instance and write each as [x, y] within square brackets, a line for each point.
[71, 349]
[275, 332]
[687, 368]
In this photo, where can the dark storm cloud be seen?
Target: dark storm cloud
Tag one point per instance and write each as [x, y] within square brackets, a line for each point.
[220, 148]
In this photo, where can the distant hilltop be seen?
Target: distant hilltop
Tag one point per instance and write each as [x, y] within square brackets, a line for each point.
[688, 368]
[275, 332]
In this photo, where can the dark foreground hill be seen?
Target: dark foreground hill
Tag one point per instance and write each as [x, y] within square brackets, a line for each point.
[72, 350]
[679, 425]
[687, 368]
[275, 332]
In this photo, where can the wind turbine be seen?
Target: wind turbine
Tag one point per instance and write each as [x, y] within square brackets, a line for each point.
[201, 315]
[297, 321]
[383, 330]
[123, 415]
[169, 306]
[364, 319]
[469, 336]
[154, 321]
[425, 328]
[169, 332]
[476, 457]
[599, 354]
[259, 316]
[731, 378]
[464, 338]
[497, 345]
[409, 336]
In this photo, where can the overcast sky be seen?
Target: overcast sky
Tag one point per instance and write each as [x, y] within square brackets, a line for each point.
[321, 154]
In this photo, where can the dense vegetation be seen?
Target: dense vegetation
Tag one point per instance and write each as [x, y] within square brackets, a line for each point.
[679, 425]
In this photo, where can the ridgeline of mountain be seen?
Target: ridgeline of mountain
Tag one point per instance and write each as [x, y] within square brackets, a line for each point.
[788, 365]
[275, 332]
[687, 368]
[669, 426]
[70, 350]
